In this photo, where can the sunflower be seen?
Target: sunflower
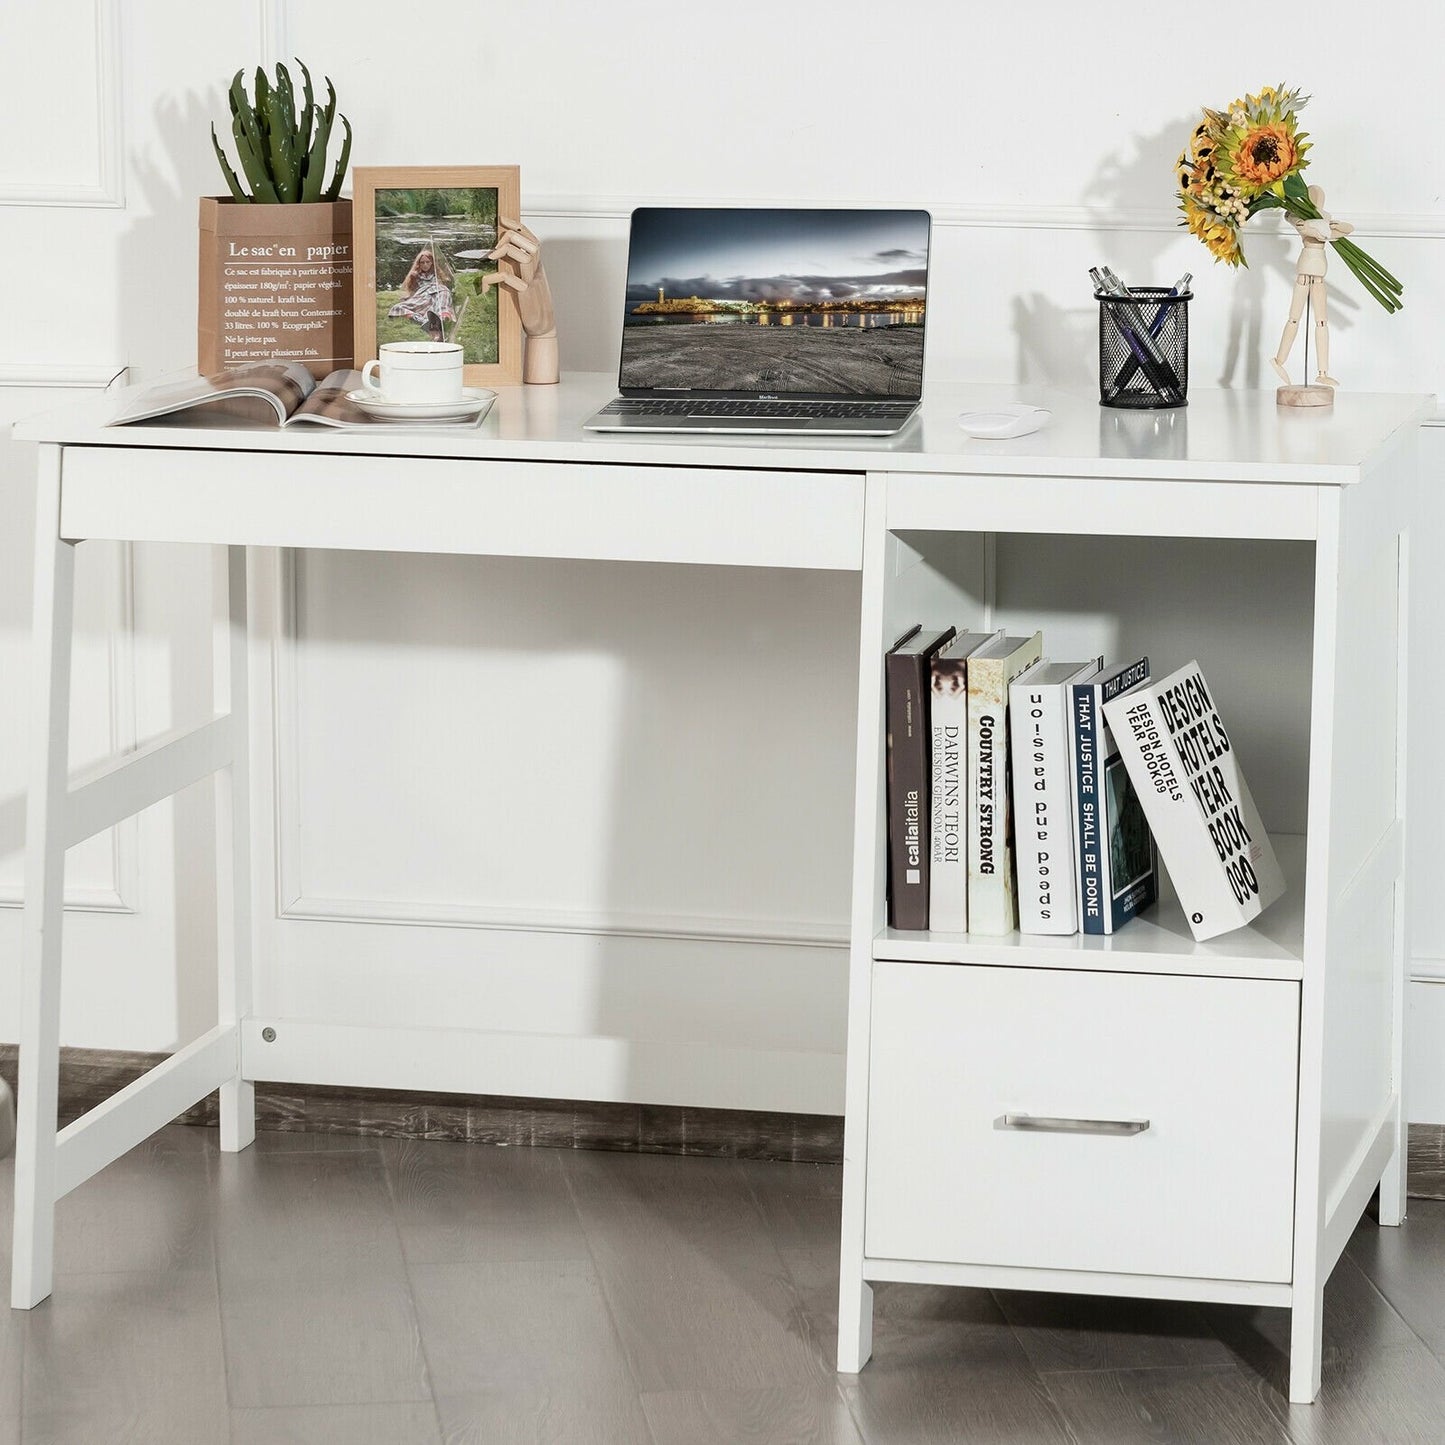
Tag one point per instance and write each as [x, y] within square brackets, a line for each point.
[1260, 142]
[1220, 235]
[1265, 154]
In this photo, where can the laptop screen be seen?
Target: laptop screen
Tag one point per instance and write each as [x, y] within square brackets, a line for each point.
[796, 303]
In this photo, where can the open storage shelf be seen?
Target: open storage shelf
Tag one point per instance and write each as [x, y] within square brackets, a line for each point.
[1138, 1113]
[1158, 941]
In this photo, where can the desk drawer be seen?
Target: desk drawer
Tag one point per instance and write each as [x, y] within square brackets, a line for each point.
[1205, 1191]
[487, 505]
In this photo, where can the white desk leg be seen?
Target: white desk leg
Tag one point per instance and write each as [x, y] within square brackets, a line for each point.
[855, 1322]
[1394, 1182]
[34, 1248]
[233, 837]
[1306, 1343]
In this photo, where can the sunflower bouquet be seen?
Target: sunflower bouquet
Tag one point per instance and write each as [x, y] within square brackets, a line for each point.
[1248, 159]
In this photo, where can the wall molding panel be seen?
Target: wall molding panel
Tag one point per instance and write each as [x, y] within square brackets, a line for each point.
[108, 190]
[85, 376]
[560, 920]
[120, 895]
[949, 213]
[293, 901]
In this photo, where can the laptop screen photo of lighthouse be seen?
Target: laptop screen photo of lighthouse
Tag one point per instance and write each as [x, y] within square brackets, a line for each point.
[795, 302]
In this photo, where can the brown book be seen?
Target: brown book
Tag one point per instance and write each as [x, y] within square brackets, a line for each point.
[907, 680]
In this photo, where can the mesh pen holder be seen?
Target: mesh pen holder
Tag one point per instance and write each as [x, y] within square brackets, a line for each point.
[1144, 348]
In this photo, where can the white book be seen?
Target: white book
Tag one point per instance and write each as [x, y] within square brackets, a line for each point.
[948, 875]
[991, 907]
[1043, 795]
[1186, 772]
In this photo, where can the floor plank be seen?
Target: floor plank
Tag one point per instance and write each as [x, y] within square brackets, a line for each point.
[588, 1415]
[466, 1203]
[1395, 1396]
[808, 1415]
[940, 1399]
[152, 1209]
[531, 1327]
[1195, 1405]
[322, 1337]
[1407, 1265]
[278, 1213]
[696, 1286]
[126, 1357]
[376, 1424]
[1085, 1332]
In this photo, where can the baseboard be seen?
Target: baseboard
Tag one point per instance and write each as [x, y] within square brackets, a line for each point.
[1427, 1161]
[89, 1076]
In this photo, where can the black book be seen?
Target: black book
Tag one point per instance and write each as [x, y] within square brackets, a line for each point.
[907, 681]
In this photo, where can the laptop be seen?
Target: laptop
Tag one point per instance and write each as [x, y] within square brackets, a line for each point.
[771, 321]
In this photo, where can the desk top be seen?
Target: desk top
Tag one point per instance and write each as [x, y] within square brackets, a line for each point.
[1220, 436]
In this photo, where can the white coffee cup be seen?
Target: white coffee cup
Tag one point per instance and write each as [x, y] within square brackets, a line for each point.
[416, 371]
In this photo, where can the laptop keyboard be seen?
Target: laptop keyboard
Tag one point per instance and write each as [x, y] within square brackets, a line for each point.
[788, 410]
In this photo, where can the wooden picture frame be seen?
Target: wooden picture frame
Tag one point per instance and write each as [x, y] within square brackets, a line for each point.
[398, 214]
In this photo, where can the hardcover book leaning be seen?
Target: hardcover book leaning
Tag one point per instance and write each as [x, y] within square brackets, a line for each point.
[1186, 772]
[907, 673]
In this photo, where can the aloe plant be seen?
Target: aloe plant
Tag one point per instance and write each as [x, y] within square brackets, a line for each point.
[282, 150]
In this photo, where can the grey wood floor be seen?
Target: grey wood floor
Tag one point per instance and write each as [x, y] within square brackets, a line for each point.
[354, 1291]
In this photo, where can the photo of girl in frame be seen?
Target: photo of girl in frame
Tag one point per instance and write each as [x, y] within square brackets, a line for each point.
[423, 238]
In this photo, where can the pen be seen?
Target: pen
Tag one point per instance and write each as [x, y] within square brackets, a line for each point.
[1131, 365]
[1134, 329]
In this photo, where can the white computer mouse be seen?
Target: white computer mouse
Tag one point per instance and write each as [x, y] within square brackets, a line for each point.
[1015, 419]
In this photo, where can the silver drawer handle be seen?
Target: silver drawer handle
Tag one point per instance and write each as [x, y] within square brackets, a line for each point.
[1042, 1124]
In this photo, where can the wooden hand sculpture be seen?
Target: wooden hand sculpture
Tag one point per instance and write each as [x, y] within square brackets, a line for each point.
[533, 297]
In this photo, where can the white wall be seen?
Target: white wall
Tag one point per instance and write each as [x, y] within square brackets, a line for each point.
[676, 902]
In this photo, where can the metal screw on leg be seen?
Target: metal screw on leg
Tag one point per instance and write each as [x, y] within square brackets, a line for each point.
[269, 1035]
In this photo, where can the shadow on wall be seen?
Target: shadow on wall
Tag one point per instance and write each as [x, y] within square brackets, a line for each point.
[157, 325]
[1057, 345]
[587, 275]
[156, 305]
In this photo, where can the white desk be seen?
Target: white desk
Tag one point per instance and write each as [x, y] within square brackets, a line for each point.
[943, 528]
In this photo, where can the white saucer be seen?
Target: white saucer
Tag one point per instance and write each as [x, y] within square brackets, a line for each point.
[475, 400]
[1016, 419]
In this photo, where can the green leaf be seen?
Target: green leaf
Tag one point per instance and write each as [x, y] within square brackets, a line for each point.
[1295, 188]
[334, 189]
[250, 144]
[315, 166]
[287, 93]
[232, 183]
[307, 121]
[281, 149]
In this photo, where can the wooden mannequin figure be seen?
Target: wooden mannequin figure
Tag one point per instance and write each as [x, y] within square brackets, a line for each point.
[532, 295]
[1309, 290]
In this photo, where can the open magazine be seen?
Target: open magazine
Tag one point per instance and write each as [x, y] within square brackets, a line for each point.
[245, 393]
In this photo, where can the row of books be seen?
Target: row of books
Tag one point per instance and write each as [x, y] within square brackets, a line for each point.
[1028, 793]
